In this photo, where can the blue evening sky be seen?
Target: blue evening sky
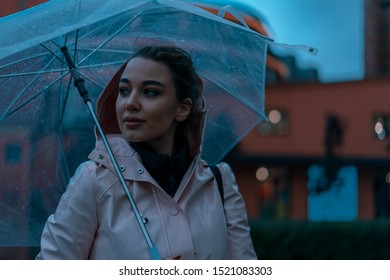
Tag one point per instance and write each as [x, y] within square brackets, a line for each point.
[334, 27]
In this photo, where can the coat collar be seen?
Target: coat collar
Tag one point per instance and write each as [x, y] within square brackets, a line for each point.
[129, 162]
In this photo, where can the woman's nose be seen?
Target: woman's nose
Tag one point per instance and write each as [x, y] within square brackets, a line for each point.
[133, 102]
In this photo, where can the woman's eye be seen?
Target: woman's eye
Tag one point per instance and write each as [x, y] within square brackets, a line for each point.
[124, 91]
[151, 92]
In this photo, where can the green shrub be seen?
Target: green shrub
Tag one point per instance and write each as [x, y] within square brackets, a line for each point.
[302, 240]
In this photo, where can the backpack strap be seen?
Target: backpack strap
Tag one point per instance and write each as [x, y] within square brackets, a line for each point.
[218, 178]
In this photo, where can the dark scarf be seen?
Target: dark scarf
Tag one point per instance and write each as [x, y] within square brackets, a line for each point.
[167, 170]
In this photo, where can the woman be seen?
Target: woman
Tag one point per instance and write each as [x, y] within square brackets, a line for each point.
[152, 111]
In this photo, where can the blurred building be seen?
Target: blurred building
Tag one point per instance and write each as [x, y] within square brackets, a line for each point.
[377, 37]
[314, 125]
[324, 155]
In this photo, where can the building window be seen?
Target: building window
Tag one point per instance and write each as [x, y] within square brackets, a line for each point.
[278, 124]
[381, 126]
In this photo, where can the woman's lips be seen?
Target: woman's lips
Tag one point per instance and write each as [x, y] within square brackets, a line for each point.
[133, 122]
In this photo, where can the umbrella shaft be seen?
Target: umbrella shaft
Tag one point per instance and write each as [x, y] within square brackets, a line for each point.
[79, 83]
[138, 216]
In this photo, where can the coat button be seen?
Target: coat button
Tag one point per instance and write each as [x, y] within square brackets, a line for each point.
[140, 171]
[174, 211]
[100, 156]
[122, 168]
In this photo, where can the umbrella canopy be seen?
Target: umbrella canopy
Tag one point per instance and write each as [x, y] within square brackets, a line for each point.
[45, 128]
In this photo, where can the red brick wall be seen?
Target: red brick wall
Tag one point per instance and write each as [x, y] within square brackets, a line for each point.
[12, 6]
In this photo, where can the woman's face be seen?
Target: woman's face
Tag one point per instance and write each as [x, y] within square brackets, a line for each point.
[147, 108]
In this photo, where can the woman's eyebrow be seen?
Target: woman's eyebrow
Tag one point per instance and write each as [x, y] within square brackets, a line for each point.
[152, 83]
[146, 83]
[124, 80]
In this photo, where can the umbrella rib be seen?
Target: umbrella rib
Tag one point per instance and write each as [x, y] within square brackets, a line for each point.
[7, 111]
[67, 172]
[75, 45]
[50, 51]
[95, 30]
[58, 70]
[115, 51]
[84, 36]
[243, 101]
[22, 60]
[65, 100]
[31, 73]
[109, 38]
[120, 62]
[92, 81]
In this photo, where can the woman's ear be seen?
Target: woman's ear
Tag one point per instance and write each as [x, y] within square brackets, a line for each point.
[184, 109]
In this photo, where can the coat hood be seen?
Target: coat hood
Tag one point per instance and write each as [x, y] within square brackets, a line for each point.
[106, 114]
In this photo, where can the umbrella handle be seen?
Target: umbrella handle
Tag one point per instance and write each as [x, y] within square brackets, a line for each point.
[79, 83]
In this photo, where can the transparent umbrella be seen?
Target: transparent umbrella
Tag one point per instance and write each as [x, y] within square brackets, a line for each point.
[45, 128]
